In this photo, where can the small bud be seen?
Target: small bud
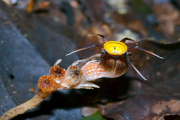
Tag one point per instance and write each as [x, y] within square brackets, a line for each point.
[47, 84]
[73, 76]
[57, 73]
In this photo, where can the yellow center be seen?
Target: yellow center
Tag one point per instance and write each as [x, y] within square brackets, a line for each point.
[115, 47]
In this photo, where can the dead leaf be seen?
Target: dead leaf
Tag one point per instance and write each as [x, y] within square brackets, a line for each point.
[157, 97]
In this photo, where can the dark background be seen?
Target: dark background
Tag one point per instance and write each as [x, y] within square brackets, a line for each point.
[32, 40]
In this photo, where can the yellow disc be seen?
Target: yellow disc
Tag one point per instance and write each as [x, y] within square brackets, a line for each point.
[115, 47]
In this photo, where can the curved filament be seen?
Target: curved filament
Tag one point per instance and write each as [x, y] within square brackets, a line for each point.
[104, 38]
[137, 47]
[83, 49]
[100, 62]
[57, 62]
[124, 40]
[137, 70]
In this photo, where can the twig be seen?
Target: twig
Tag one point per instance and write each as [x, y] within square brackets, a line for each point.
[58, 79]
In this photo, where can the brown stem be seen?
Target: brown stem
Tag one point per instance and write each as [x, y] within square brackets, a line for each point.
[46, 86]
[38, 98]
[58, 79]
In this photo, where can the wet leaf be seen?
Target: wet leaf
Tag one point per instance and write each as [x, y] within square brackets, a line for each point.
[21, 65]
